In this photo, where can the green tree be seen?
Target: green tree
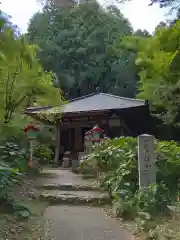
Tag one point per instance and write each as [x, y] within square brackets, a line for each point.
[142, 33]
[166, 3]
[77, 43]
[22, 79]
[158, 60]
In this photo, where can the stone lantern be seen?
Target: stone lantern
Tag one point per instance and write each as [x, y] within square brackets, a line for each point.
[88, 141]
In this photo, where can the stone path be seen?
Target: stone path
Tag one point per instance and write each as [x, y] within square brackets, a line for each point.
[70, 219]
[62, 176]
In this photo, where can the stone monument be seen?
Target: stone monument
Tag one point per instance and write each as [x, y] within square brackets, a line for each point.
[146, 160]
[66, 159]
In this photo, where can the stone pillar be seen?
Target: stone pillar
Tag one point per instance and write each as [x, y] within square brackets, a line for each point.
[57, 150]
[146, 160]
[75, 164]
[66, 159]
[65, 162]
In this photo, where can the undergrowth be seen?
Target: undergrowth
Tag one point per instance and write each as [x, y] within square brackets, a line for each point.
[116, 160]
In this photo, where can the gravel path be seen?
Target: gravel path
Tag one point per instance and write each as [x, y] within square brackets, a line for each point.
[83, 223]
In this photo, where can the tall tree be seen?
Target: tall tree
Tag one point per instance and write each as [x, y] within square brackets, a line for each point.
[77, 43]
[22, 78]
[167, 3]
[142, 33]
[159, 63]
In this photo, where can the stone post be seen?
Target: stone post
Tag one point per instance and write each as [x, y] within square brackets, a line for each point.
[66, 159]
[57, 150]
[146, 160]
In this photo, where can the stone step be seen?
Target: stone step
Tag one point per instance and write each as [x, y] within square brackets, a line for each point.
[69, 187]
[75, 197]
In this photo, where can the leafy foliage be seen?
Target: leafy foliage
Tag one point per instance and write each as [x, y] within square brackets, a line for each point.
[116, 160]
[22, 210]
[8, 178]
[166, 3]
[77, 43]
[16, 158]
[158, 61]
[43, 153]
[22, 79]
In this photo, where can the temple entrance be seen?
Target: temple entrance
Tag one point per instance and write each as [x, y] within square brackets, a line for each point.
[67, 139]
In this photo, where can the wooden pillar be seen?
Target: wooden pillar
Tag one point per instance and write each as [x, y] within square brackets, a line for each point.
[122, 131]
[78, 138]
[57, 150]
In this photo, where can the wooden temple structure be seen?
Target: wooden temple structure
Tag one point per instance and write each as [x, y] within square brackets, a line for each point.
[117, 116]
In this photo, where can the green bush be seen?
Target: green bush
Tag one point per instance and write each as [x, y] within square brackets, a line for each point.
[43, 153]
[8, 178]
[16, 157]
[13, 164]
[168, 164]
[14, 143]
[117, 162]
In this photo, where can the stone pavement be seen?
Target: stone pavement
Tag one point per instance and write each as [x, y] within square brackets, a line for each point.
[72, 220]
[83, 223]
[61, 177]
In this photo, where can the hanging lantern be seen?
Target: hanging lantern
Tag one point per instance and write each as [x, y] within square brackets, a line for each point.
[96, 134]
[31, 130]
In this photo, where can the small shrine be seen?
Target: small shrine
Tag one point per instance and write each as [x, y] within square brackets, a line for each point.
[86, 120]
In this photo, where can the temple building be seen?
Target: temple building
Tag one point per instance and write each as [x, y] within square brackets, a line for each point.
[117, 116]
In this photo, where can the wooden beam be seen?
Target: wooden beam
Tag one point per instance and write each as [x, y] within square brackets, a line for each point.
[64, 126]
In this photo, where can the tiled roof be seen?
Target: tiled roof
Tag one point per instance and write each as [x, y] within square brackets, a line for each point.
[93, 102]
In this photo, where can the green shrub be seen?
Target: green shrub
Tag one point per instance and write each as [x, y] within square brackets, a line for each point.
[110, 153]
[117, 161]
[13, 164]
[43, 153]
[168, 164]
[21, 210]
[8, 178]
[14, 143]
[15, 157]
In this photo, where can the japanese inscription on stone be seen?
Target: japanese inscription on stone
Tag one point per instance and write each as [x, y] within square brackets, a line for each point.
[146, 160]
